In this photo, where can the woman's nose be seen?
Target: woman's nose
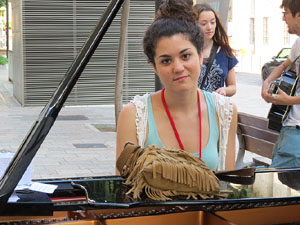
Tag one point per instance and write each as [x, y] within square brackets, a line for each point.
[178, 66]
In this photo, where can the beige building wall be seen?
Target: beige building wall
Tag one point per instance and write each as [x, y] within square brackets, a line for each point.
[268, 30]
[252, 55]
[16, 71]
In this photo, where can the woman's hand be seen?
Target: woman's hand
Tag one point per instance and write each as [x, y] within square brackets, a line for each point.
[221, 91]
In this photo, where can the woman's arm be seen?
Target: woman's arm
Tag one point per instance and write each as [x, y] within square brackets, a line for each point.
[126, 128]
[230, 88]
[230, 153]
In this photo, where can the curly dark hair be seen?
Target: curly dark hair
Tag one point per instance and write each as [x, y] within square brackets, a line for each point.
[181, 9]
[173, 17]
[293, 5]
[220, 37]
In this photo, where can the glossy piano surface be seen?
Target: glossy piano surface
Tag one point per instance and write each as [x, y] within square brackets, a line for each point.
[105, 198]
[270, 188]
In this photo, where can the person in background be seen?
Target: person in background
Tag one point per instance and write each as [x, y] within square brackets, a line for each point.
[286, 151]
[221, 75]
[179, 116]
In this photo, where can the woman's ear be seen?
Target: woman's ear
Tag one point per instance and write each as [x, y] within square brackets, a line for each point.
[154, 67]
[201, 58]
[298, 15]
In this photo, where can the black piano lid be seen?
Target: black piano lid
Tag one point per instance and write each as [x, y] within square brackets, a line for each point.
[48, 115]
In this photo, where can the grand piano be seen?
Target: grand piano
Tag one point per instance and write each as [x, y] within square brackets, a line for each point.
[266, 196]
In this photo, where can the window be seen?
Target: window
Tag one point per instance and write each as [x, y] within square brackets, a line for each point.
[252, 7]
[252, 33]
[286, 35]
[265, 31]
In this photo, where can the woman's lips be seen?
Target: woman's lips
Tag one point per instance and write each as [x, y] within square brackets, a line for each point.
[182, 78]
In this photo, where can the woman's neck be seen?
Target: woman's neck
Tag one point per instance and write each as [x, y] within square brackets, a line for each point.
[181, 101]
[207, 47]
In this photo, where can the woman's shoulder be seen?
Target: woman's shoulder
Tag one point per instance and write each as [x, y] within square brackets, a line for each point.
[128, 110]
[137, 101]
[221, 56]
[222, 53]
[139, 98]
[140, 101]
[221, 98]
[138, 105]
[216, 97]
[223, 103]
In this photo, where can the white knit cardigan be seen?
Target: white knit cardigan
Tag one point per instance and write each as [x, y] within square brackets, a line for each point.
[223, 107]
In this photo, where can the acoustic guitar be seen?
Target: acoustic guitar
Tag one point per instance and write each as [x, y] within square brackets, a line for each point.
[278, 113]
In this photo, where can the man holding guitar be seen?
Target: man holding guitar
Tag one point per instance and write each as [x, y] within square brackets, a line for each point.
[286, 152]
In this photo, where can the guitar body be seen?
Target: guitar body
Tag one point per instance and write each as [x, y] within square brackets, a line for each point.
[278, 113]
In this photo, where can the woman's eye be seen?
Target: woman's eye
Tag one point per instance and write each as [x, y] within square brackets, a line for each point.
[186, 56]
[165, 61]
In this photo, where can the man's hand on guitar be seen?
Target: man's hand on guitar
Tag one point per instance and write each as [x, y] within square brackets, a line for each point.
[264, 92]
[281, 98]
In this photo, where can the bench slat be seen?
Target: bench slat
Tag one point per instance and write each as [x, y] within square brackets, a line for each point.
[254, 136]
[252, 120]
[258, 133]
[258, 146]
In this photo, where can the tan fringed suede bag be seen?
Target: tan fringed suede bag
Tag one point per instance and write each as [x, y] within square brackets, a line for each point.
[164, 173]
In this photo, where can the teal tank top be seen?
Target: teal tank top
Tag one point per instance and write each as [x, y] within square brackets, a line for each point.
[210, 153]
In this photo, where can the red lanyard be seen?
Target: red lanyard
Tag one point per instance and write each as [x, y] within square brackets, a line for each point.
[172, 121]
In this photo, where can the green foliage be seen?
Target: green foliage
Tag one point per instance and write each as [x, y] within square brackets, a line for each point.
[3, 60]
[239, 193]
[2, 3]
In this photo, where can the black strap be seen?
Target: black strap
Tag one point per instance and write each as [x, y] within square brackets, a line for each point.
[212, 55]
[241, 176]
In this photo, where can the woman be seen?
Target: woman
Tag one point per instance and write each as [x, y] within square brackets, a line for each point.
[221, 76]
[181, 115]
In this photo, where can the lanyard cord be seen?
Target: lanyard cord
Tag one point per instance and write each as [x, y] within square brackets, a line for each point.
[173, 124]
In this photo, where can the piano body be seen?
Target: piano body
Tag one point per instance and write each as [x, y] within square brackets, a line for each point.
[102, 200]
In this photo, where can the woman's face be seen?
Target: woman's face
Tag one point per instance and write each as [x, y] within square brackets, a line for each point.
[207, 23]
[177, 62]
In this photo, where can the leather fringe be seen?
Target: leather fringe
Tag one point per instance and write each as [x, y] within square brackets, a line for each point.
[164, 173]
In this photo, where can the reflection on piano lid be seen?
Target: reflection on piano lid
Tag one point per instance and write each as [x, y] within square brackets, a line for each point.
[290, 179]
[103, 200]
[48, 115]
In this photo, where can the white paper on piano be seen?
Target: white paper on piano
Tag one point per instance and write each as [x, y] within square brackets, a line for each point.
[45, 188]
[39, 187]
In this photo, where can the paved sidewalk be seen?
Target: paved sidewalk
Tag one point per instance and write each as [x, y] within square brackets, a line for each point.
[248, 97]
[81, 142]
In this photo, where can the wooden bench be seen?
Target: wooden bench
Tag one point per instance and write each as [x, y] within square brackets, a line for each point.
[254, 136]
